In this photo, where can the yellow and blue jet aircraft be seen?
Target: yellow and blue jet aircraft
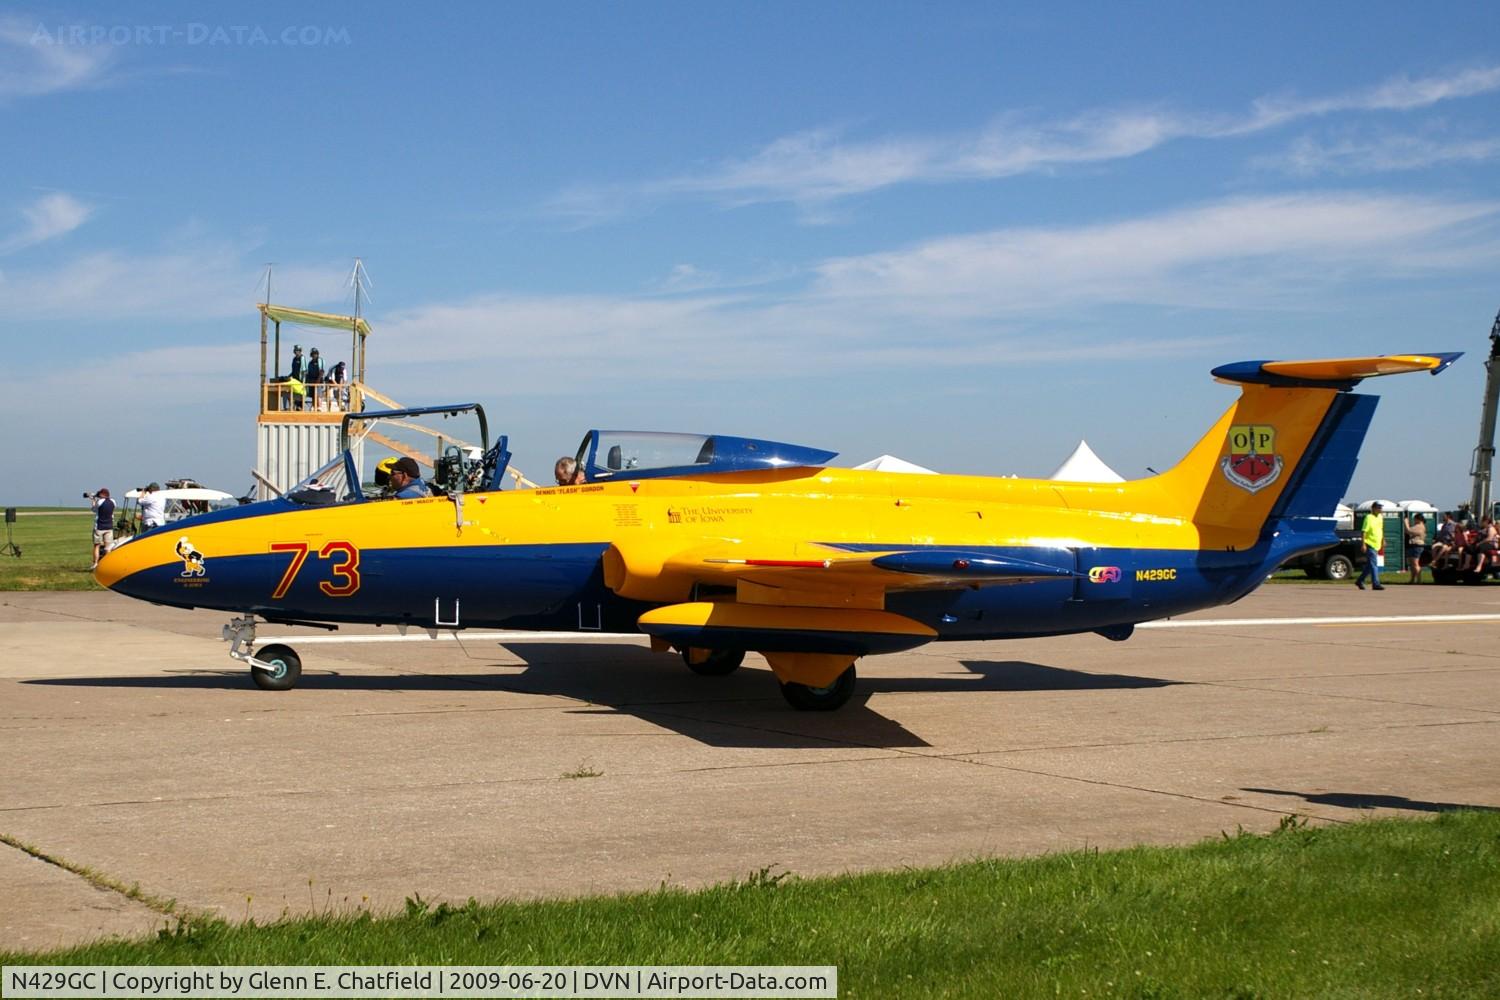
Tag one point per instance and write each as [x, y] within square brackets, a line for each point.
[714, 545]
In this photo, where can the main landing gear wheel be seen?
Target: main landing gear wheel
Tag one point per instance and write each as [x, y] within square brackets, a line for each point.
[713, 662]
[825, 699]
[286, 668]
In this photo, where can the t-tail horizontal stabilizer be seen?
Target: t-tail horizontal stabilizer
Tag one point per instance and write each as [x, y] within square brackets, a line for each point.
[1332, 373]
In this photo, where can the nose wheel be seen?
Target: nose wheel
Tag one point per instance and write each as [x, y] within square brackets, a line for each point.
[274, 667]
[281, 671]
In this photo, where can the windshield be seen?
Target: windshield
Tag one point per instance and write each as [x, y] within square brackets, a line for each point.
[448, 447]
[628, 451]
[328, 484]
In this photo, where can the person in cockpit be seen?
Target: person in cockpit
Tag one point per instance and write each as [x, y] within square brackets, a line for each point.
[567, 472]
[406, 480]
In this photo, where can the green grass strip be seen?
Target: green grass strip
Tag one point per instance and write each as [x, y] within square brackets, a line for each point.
[1389, 908]
[56, 551]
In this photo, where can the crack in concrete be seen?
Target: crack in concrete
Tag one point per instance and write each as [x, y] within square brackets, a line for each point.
[98, 879]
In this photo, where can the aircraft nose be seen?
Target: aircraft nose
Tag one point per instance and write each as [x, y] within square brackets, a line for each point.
[127, 569]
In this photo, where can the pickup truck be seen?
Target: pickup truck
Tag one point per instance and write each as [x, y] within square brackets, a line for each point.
[1338, 562]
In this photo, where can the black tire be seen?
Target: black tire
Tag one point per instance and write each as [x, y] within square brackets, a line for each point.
[720, 662]
[1338, 567]
[288, 668]
[811, 699]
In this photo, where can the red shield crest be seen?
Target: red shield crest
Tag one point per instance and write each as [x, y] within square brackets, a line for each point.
[1252, 463]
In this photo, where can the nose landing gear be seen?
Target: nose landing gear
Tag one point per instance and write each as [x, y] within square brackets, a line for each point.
[275, 668]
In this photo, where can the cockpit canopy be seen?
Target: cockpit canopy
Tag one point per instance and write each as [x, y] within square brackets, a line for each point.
[650, 454]
[450, 464]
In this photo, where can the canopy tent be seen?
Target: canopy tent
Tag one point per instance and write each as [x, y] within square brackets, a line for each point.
[306, 317]
[1083, 466]
[890, 463]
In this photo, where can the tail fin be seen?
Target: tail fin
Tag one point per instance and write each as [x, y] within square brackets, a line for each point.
[1286, 448]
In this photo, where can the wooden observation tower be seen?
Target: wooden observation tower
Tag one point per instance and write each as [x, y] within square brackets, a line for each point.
[297, 429]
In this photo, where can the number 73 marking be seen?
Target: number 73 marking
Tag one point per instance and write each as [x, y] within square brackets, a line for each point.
[345, 580]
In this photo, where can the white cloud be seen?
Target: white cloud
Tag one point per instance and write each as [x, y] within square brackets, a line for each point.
[812, 167]
[1010, 295]
[1007, 296]
[49, 217]
[198, 279]
[1400, 93]
[1192, 256]
[34, 62]
[1308, 156]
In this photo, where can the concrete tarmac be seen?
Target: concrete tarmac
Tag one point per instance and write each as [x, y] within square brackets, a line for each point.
[136, 753]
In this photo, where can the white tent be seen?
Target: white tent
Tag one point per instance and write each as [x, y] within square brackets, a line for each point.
[1417, 507]
[1386, 506]
[890, 463]
[1083, 466]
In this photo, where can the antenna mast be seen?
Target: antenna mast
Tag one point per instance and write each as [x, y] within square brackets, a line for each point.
[359, 278]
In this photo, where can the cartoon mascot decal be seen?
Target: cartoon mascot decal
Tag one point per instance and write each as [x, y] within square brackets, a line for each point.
[192, 559]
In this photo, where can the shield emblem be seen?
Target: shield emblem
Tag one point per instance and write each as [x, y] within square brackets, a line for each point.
[1252, 463]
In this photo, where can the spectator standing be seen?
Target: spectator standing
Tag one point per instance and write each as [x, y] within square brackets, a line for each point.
[294, 379]
[1373, 533]
[314, 379]
[153, 507]
[104, 524]
[1415, 526]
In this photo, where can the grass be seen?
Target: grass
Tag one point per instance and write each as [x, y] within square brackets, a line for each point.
[56, 546]
[1390, 908]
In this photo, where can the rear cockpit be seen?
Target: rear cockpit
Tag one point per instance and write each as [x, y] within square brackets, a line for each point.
[604, 455]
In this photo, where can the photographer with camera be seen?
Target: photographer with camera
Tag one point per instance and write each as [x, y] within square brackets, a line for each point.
[104, 522]
[153, 507]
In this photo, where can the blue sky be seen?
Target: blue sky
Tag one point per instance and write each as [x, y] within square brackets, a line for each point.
[965, 234]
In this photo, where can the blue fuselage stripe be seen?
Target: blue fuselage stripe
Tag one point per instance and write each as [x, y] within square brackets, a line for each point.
[561, 586]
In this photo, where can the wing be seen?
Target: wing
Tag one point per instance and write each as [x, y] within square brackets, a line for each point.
[643, 572]
[804, 597]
